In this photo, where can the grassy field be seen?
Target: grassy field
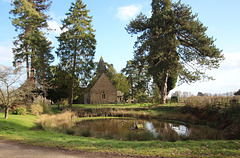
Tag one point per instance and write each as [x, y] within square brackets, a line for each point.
[20, 129]
[98, 106]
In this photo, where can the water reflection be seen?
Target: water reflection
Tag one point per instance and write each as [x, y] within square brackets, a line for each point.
[123, 129]
[180, 129]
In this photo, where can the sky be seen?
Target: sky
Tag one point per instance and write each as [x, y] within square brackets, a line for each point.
[115, 45]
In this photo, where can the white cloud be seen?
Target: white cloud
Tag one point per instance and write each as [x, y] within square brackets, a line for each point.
[6, 55]
[55, 26]
[226, 78]
[128, 12]
[232, 61]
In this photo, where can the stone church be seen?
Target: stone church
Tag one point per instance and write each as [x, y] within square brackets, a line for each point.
[101, 90]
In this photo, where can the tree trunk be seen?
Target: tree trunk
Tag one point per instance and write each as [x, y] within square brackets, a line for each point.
[72, 84]
[132, 88]
[27, 65]
[32, 75]
[163, 89]
[6, 113]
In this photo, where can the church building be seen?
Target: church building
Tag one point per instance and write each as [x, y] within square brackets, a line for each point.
[101, 91]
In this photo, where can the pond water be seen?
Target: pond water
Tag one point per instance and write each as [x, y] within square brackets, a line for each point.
[125, 129]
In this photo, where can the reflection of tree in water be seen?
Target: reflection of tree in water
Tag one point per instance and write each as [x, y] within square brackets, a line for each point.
[163, 130]
[181, 130]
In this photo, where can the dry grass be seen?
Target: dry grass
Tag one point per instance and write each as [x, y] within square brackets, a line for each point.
[36, 109]
[211, 101]
[61, 122]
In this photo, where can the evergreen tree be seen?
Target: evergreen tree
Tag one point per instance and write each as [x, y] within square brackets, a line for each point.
[43, 60]
[60, 89]
[174, 44]
[28, 18]
[77, 44]
[237, 93]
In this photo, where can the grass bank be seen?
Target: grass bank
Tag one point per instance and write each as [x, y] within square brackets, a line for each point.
[20, 129]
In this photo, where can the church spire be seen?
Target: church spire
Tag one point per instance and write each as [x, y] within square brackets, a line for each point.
[101, 67]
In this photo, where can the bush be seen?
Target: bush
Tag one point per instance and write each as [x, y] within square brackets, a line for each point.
[144, 136]
[174, 99]
[36, 109]
[86, 133]
[45, 103]
[19, 111]
[65, 102]
[60, 122]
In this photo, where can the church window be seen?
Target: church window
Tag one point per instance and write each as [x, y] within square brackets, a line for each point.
[103, 95]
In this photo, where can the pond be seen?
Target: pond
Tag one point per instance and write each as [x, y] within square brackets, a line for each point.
[126, 129]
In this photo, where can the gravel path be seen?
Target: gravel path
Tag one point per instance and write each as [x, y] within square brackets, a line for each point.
[15, 150]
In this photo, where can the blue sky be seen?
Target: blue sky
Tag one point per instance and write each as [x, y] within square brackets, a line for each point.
[222, 17]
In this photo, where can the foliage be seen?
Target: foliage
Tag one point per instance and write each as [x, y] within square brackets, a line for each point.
[174, 99]
[77, 45]
[36, 109]
[60, 85]
[210, 101]
[43, 60]
[45, 103]
[138, 78]
[29, 19]
[144, 136]
[19, 111]
[60, 122]
[237, 93]
[173, 43]
[9, 94]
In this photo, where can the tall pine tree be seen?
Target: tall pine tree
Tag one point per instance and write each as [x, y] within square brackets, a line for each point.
[174, 44]
[28, 18]
[43, 60]
[77, 44]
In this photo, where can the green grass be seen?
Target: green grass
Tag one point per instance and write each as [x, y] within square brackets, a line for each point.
[95, 106]
[19, 128]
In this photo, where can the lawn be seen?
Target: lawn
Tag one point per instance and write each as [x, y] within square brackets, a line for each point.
[19, 128]
[99, 106]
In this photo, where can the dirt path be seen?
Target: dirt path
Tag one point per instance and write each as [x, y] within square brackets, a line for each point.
[15, 150]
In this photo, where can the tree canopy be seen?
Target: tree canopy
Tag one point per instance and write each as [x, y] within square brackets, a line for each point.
[77, 44]
[29, 19]
[174, 43]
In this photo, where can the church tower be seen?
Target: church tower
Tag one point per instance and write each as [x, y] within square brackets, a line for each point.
[101, 67]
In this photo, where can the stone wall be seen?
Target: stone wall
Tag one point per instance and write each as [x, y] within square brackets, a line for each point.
[103, 85]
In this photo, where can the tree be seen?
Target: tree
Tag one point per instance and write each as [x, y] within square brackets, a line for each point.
[77, 44]
[138, 77]
[8, 91]
[237, 93]
[60, 89]
[28, 18]
[200, 94]
[44, 59]
[174, 43]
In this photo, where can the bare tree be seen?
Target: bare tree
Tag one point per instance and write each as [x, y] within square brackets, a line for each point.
[9, 93]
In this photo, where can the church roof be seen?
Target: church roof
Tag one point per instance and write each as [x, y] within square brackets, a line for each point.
[100, 70]
[101, 67]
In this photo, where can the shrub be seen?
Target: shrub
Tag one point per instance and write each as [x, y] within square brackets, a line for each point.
[36, 109]
[19, 111]
[174, 99]
[60, 122]
[143, 136]
[65, 102]
[86, 133]
[45, 103]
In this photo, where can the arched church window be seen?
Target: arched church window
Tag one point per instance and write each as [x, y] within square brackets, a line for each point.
[103, 95]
